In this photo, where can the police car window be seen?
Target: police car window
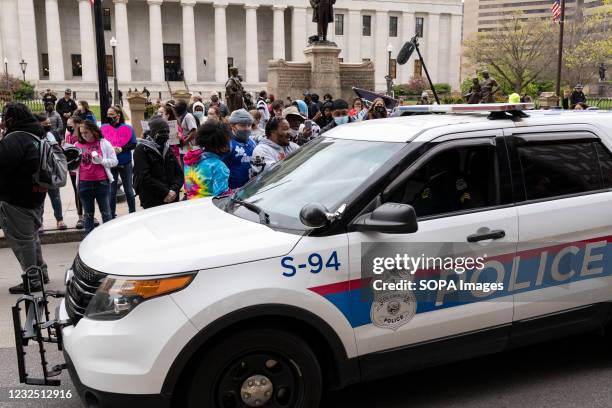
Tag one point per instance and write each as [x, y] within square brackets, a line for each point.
[457, 179]
[558, 168]
[605, 163]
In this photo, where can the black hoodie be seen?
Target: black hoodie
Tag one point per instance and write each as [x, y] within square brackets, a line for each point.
[19, 160]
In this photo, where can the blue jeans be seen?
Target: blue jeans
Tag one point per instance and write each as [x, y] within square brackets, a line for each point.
[126, 172]
[90, 192]
[56, 203]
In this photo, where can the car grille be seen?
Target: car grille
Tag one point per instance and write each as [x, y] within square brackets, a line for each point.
[81, 288]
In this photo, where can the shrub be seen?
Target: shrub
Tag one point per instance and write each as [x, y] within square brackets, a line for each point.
[442, 88]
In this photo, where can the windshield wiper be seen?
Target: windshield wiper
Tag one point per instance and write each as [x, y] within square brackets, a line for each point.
[264, 218]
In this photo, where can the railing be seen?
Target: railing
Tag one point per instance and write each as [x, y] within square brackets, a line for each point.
[35, 105]
[601, 103]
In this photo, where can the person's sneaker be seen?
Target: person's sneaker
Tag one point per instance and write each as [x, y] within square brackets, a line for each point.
[79, 224]
[96, 222]
[61, 225]
[18, 289]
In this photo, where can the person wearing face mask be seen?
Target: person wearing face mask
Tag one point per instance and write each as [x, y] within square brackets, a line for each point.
[21, 201]
[167, 112]
[340, 113]
[214, 101]
[378, 110]
[123, 139]
[158, 176]
[198, 112]
[205, 173]
[241, 148]
[274, 148]
[57, 125]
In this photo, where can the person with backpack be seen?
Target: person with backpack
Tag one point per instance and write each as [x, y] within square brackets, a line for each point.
[54, 193]
[94, 176]
[158, 176]
[21, 199]
[123, 139]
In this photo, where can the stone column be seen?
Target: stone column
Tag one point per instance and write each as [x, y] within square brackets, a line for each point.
[124, 63]
[220, 43]
[455, 51]
[54, 42]
[279, 32]
[189, 39]
[381, 40]
[252, 52]
[156, 41]
[88, 49]
[408, 28]
[354, 36]
[299, 36]
[9, 22]
[431, 55]
[27, 33]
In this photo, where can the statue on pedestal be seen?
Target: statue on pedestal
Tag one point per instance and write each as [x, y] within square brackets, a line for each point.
[489, 87]
[602, 72]
[323, 15]
[234, 92]
[474, 96]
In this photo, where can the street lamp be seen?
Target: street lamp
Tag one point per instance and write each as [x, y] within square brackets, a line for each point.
[113, 43]
[24, 66]
[8, 82]
[389, 78]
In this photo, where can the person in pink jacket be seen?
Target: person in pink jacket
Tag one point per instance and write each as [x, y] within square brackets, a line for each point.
[123, 139]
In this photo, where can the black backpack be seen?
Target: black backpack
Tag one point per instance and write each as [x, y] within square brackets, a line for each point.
[53, 167]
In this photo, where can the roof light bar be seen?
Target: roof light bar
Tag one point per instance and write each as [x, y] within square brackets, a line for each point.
[467, 108]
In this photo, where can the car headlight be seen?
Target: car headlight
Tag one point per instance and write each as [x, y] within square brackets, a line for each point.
[117, 296]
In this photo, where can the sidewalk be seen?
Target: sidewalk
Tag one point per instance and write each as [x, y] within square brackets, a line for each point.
[51, 234]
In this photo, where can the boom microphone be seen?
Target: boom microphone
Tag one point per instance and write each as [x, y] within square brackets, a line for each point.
[405, 52]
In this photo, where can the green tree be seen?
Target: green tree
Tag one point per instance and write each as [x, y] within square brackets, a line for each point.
[516, 53]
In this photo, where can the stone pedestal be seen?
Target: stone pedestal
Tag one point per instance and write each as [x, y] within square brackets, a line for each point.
[322, 73]
[324, 68]
[137, 101]
[181, 95]
[548, 100]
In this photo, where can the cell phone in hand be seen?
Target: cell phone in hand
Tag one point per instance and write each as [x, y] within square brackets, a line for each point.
[308, 124]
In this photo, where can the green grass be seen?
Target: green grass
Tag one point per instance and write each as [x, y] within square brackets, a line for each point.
[96, 111]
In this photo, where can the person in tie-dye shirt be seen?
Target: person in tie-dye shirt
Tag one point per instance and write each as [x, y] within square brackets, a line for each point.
[205, 173]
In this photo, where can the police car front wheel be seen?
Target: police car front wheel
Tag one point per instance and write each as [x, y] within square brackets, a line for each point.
[257, 368]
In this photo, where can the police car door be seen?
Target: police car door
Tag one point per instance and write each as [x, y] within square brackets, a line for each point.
[564, 206]
[460, 189]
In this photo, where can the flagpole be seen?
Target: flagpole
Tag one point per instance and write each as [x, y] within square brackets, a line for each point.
[560, 56]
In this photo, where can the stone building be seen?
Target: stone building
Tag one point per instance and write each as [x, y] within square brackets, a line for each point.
[172, 44]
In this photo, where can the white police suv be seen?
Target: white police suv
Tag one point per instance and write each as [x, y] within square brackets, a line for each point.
[259, 299]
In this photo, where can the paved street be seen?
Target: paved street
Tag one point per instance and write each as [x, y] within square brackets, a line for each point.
[572, 372]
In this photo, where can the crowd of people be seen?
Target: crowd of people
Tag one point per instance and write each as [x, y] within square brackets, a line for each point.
[217, 151]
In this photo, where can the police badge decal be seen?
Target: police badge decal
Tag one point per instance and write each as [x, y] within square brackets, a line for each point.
[393, 310]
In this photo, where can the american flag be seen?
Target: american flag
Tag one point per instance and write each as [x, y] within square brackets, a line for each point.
[556, 10]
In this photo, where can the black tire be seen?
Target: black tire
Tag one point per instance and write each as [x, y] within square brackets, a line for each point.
[282, 357]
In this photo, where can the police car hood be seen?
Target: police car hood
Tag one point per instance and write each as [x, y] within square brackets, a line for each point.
[186, 236]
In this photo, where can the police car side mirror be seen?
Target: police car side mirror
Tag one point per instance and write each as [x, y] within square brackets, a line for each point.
[314, 215]
[390, 218]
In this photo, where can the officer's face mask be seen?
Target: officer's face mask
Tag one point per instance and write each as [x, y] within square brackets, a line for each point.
[198, 114]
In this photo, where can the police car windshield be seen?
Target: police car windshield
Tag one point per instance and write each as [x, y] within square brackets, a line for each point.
[325, 171]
